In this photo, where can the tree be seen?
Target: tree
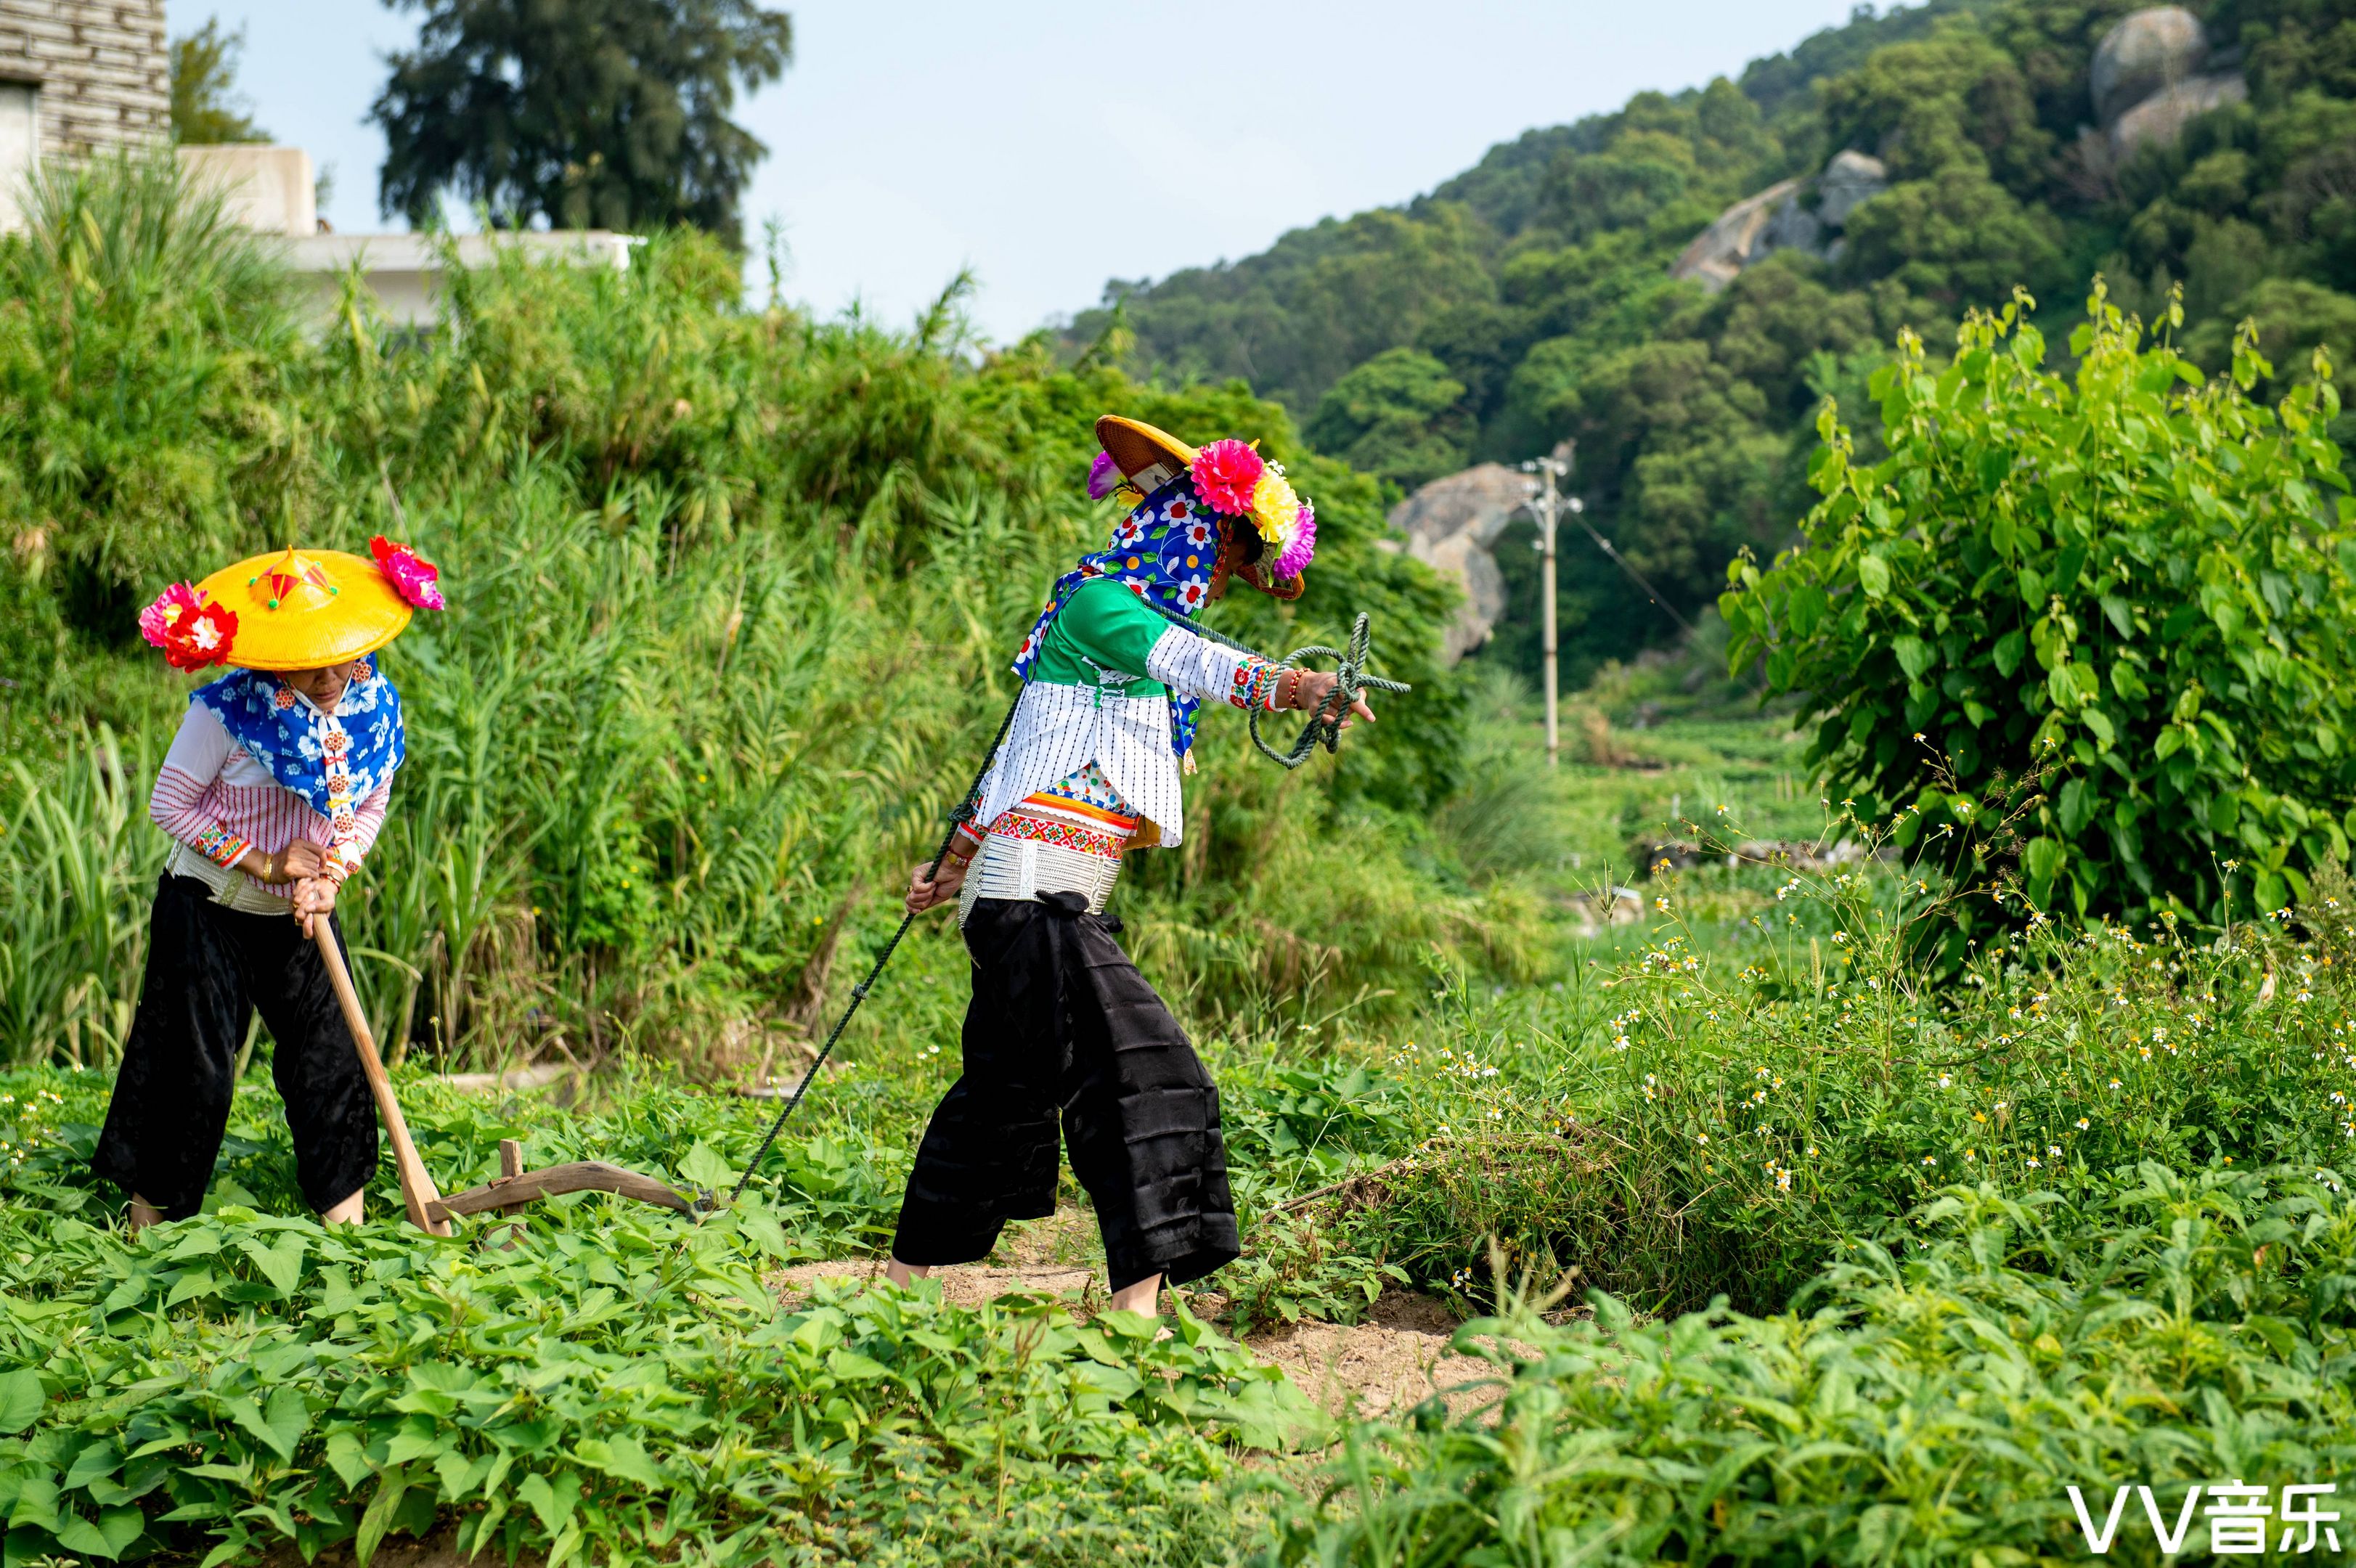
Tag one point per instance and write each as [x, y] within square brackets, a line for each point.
[1399, 415]
[580, 113]
[206, 105]
[2132, 581]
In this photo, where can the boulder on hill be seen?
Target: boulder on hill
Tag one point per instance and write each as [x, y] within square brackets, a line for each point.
[1806, 216]
[2161, 118]
[2153, 75]
[2148, 51]
[1452, 525]
[1732, 244]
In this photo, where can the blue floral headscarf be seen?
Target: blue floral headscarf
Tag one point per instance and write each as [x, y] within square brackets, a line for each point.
[1165, 549]
[331, 761]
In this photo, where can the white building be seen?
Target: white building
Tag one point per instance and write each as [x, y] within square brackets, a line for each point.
[83, 77]
[273, 191]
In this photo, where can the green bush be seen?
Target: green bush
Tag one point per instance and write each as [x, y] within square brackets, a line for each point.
[2131, 574]
[1717, 1113]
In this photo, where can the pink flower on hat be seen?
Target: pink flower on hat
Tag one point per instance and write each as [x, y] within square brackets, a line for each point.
[1225, 473]
[192, 630]
[415, 579]
[172, 607]
[1103, 475]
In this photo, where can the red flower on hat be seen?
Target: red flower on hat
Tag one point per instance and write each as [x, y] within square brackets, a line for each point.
[193, 630]
[414, 578]
[1225, 473]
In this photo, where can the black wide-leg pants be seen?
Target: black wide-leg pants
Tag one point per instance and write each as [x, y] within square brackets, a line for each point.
[209, 968]
[1063, 1035]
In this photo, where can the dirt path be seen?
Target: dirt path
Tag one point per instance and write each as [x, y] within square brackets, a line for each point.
[1389, 1361]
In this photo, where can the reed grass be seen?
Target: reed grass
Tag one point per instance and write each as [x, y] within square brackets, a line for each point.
[733, 595]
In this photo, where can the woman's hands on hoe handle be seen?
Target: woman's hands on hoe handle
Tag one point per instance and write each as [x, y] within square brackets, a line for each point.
[277, 868]
[303, 863]
[314, 900]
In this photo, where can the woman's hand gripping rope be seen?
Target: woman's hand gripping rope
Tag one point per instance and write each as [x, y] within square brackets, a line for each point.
[932, 882]
[1336, 702]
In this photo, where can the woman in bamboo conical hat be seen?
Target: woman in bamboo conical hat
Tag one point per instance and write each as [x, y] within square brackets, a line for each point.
[273, 793]
[1063, 1039]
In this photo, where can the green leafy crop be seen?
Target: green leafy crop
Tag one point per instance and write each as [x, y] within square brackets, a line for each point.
[2130, 582]
[620, 1389]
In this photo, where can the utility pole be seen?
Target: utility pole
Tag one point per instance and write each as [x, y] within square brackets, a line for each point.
[1547, 505]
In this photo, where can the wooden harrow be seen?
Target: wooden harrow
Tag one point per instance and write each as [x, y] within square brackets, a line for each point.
[515, 1188]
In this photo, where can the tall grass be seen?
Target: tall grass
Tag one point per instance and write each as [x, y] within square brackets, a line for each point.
[73, 854]
[734, 592]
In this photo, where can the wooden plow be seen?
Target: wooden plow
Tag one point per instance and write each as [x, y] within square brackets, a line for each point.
[514, 1187]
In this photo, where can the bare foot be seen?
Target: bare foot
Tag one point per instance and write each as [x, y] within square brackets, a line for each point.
[347, 1212]
[144, 1214]
[900, 1274]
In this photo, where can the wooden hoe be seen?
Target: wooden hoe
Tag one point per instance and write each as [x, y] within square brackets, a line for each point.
[516, 1187]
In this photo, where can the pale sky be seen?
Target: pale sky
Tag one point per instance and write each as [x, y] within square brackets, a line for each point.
[1052, 145]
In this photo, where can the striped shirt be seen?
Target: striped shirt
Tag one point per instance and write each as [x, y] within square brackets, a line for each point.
[218, 802]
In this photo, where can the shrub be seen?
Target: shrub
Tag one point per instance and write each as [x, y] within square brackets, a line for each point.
[1924, 1409]
[2132, 574]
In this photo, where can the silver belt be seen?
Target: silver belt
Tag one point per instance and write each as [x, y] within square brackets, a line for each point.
[1022, 869]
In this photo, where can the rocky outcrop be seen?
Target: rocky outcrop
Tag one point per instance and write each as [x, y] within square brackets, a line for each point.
[2161, 118]
[2148, 50]
[1850, 180]
[1730, 244]
[2152, 75]
[1807, 216]
[1453, 524]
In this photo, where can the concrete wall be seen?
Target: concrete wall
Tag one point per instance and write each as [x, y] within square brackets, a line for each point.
[270, 190]
[404, 271]
[101, 67]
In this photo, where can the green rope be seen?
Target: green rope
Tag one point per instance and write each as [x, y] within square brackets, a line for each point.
[1325, 726]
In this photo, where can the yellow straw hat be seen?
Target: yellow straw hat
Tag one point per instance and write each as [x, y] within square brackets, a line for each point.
[1137, 447]
[305, 609]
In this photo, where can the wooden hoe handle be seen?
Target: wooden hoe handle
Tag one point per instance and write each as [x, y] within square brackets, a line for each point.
[418, 1193]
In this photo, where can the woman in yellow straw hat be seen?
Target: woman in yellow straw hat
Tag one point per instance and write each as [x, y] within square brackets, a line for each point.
[273, 791]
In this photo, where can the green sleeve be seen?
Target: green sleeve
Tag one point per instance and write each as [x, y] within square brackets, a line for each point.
[1103, 621]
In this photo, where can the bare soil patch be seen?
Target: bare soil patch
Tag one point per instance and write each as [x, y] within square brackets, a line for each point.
[1386, 1364]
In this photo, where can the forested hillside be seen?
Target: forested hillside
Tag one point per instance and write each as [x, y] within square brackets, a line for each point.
[1530, 298]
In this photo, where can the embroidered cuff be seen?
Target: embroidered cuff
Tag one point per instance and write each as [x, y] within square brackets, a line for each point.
[340, 861]
[221, 847]
[1255, 684]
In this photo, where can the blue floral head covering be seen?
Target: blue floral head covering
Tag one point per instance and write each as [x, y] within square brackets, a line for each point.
[1165, 549]
[332, 760]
